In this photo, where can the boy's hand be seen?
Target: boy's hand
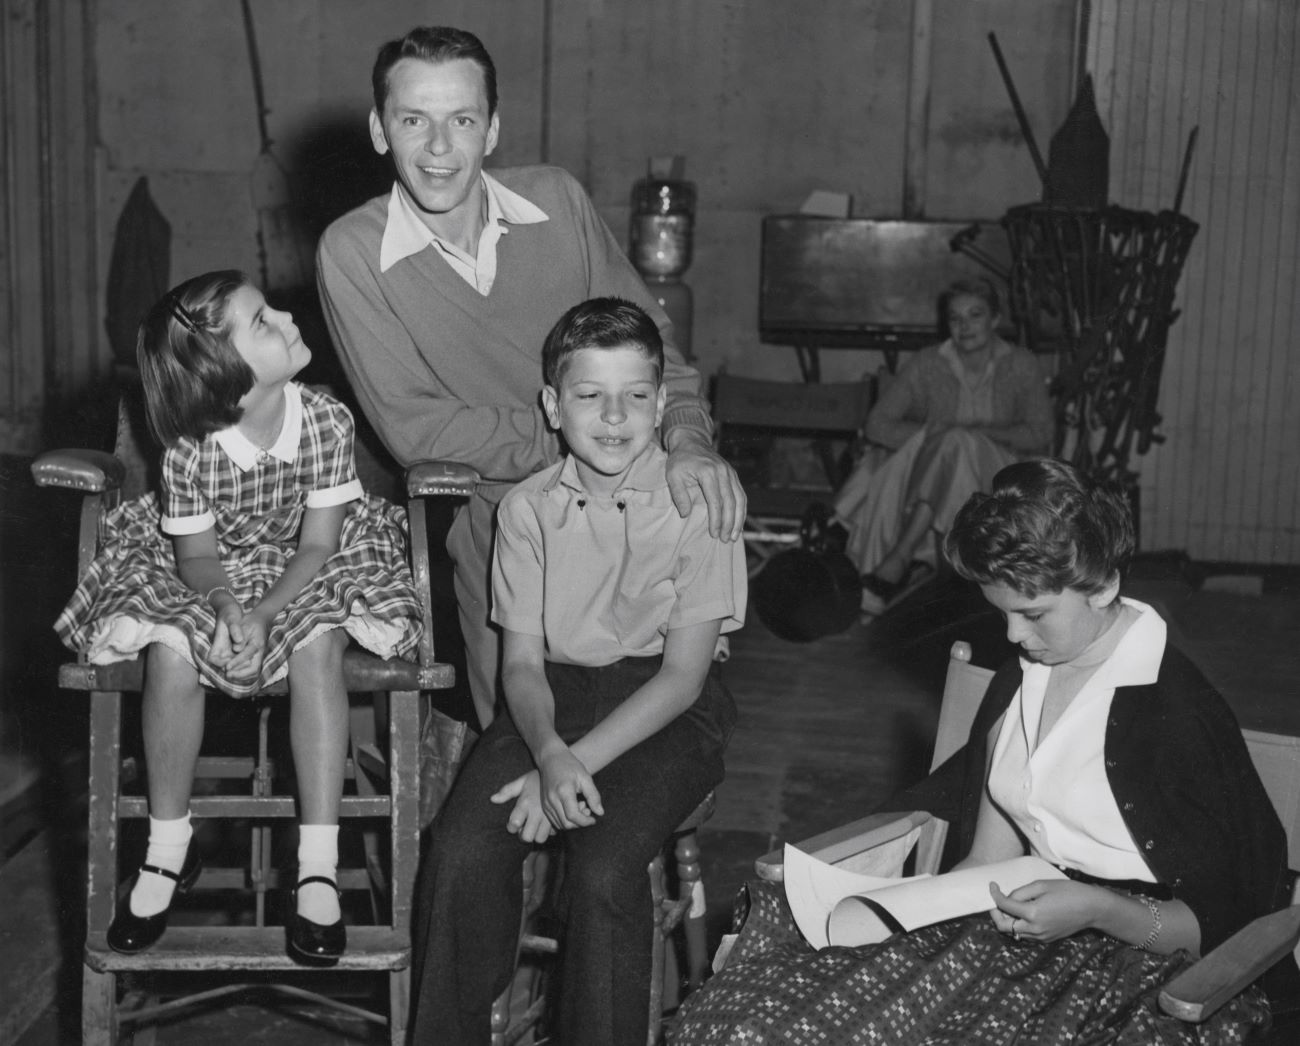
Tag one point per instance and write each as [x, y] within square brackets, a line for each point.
[527, 820]
[569, 795]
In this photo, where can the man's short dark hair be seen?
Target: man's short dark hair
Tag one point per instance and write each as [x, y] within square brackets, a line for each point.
[601, 323]
[433, 43]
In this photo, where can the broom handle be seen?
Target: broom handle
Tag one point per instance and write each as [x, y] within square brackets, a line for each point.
[255, 62]
[1187, 166]
[1025, 129]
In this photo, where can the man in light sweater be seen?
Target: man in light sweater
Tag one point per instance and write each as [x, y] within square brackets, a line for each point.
[439, 296]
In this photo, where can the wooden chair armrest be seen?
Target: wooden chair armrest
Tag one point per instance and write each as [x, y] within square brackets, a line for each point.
[1196, 993]
[844, 842]
[72, 468]
[440, 478]
[427, 479]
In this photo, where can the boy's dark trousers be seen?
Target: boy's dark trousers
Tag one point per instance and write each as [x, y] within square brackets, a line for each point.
[469, 895]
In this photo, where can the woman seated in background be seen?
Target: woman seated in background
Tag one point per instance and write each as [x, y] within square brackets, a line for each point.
[1100, 749]
[954, 415]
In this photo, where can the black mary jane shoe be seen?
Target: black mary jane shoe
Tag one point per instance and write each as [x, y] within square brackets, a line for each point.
[311, 943]
[131, 933]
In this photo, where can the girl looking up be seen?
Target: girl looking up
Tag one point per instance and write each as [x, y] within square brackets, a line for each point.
[258, 558]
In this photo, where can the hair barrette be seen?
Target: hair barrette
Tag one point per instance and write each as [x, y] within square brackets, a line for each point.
[182, 314]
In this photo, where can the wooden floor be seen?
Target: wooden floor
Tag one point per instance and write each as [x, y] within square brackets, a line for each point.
[829, 729]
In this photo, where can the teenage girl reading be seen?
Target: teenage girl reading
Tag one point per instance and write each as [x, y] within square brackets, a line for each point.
[258, 557]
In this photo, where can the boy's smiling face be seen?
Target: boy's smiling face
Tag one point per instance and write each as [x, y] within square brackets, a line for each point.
[608, 406]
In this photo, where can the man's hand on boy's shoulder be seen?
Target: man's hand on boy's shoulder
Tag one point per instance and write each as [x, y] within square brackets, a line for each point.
[695, 470]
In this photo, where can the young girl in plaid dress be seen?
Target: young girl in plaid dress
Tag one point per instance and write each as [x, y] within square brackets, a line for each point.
[257, 559]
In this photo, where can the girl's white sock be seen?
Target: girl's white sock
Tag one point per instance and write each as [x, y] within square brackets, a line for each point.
[318, 854]
[169, 841]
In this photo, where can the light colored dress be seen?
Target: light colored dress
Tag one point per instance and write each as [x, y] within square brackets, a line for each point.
[132, 595]
[908, 462]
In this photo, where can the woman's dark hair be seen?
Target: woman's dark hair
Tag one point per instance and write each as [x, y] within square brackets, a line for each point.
[601, 323]
[1045, 527]
[433, 43]
[192, 374]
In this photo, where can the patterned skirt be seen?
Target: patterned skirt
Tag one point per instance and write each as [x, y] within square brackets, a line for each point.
[133, 596]
[957, 983]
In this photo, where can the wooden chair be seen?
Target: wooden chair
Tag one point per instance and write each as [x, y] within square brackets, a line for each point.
[385, 795]
[1194, 995]
[963, 690]
[513, 1017]
[748, 413]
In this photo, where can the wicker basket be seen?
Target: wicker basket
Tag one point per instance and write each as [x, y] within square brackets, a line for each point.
[1096, 287]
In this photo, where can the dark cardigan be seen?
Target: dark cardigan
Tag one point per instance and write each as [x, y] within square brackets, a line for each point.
[1185, 786]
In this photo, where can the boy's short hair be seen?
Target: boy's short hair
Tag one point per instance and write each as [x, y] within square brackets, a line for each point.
[193, 376]
[1045, 527]
[601, 323]
[433, 43]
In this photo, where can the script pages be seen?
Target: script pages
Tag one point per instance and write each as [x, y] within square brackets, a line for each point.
[834, 906]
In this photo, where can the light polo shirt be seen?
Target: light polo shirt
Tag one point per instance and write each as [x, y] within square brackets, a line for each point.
[405, 234]
[1058, 794]
[246, 455]
[603, 578]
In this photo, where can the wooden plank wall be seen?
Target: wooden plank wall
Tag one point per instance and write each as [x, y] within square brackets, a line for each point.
[1226, 484]
[48, 352]
[766, 103]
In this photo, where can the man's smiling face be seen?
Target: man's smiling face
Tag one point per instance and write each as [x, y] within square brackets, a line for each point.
[437, 126]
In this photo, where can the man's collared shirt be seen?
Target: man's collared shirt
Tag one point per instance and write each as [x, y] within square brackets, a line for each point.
[405, 234]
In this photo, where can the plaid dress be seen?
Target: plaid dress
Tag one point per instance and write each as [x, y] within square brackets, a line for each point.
[955, 983]
[132, 595]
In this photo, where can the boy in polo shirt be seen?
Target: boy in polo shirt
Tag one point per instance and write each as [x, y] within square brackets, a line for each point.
[612, 607]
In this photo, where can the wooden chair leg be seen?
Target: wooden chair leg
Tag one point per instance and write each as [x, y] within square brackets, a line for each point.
[657, 897]
[260, 851]
[99, 990]
[691, 884]
[500, 1020]
[404, 789]
[98, 1008]
[362, 742]
[399, 1005]
[105, 781]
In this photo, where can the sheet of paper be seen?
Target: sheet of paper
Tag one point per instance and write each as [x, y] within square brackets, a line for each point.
[813, 888]
[823, 898]
[920, 902]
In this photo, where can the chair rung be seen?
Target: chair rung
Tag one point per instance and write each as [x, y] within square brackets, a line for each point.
[361, 672]
[238, 879]
[227, 767]
[198, 948]
[255, 806]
